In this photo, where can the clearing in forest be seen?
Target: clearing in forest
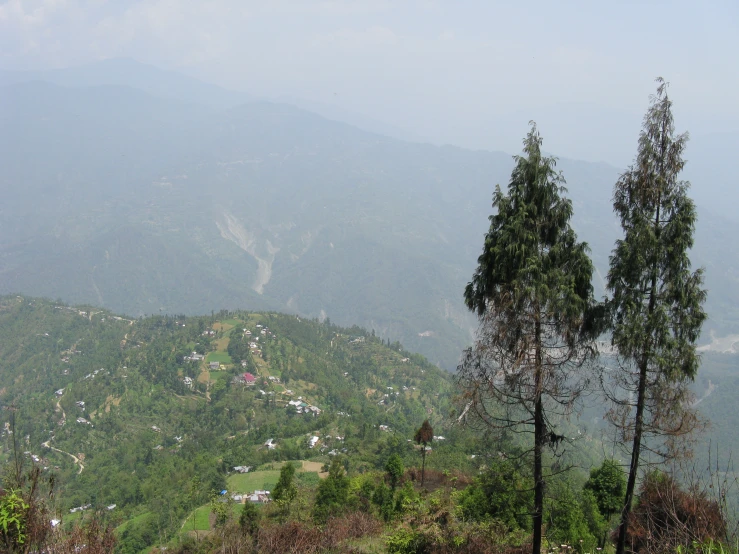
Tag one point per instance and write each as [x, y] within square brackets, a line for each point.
[220, 357]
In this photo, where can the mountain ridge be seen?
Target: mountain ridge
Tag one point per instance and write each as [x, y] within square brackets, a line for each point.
[325, 205]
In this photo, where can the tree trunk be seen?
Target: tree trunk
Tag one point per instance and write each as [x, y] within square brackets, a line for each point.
[423, 463]
[634, 467]
[640, 401]
[539, 432]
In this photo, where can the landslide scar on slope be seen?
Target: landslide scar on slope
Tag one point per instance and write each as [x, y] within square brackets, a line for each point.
[231, 229]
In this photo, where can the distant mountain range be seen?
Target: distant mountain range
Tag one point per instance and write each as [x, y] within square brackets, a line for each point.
[145, 192]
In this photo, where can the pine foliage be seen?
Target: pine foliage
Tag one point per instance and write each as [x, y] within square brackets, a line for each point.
[532, 293]
[657, 299]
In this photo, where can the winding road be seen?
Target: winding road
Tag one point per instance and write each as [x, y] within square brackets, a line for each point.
[47, 445]
[75, 458]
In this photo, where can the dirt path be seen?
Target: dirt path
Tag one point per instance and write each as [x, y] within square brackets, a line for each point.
[60, 409]
[47, 445]
[75, 458]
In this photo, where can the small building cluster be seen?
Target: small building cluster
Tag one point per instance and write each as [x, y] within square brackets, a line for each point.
[79, 508]
[94, 373]
[302, 407]
[245, 379]
[258, 496]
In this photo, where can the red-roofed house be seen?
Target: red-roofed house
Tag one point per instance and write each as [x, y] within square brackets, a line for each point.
[249, 379]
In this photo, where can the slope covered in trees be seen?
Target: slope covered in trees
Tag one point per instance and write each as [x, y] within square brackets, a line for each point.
[121, 414]
[160, 450]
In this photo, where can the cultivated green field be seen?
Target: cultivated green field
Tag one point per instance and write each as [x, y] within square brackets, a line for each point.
[220, 357]
[201, 517]
[266, 479]
[132, 522]
[249, 482]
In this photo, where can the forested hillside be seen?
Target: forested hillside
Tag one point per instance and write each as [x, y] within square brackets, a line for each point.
[143, 422]
[102, 402]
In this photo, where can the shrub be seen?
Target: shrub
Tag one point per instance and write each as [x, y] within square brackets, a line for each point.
[407, 499]
[332, 493]
[568, 524]
[299, 538]
[382, 497]
[406, 541]
[500, 493]
[668, 518]
[394, 468]
[607, 483]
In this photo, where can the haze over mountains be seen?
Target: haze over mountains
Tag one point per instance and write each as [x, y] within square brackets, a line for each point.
[145, 191]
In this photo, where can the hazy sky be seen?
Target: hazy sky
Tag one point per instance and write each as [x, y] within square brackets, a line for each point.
[466, 72]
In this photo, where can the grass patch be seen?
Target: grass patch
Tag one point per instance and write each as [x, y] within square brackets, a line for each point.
[255, 480]
[71, 519]
[201, 517]
[220, 357]
[220, 376]
[265, 479]
[133, 521]
[234, 323]
[308, 478]
[222, 344]
[312, 466]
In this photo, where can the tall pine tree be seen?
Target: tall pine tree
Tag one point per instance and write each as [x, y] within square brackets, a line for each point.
[533, 297]
[656, 299]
